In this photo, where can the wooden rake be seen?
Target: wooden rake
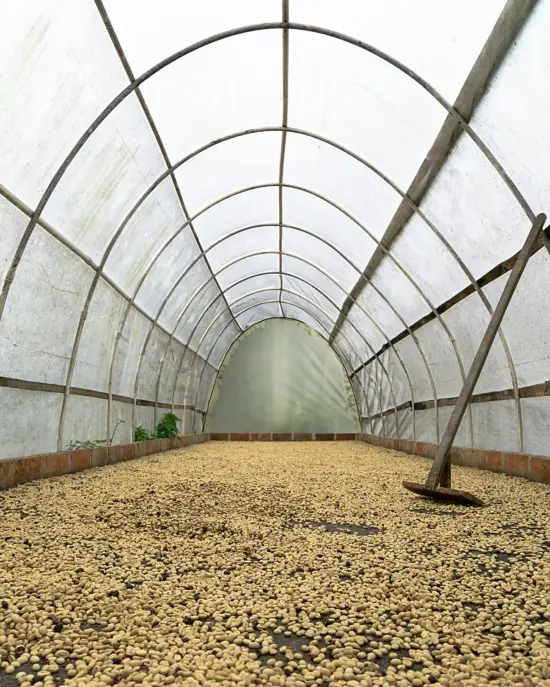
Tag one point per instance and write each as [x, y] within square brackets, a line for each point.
[438, 484]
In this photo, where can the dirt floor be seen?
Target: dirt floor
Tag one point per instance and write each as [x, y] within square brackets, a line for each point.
[277, 564]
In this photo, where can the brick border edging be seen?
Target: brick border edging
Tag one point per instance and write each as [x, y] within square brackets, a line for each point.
[15, 471]
[535, 468]
[274, 436]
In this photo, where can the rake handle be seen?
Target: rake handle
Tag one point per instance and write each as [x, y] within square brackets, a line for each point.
[442, 455]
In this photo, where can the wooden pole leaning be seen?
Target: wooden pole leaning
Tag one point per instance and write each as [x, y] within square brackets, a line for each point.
[438, 484]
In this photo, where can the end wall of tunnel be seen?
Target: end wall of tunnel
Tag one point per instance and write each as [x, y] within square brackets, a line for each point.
[282, 377]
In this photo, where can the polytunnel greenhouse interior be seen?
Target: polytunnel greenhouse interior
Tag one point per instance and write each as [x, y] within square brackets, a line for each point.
[274, 343]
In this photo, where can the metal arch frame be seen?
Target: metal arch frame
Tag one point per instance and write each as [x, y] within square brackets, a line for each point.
[251, 307]
[213, 301]
[289, 274]
[201, 254]
[337, 350]
[332, 279]
[383, 177]
[352, 218]
[301, 259]
[371, 379]
[206, 363]
[198, 291]
[416, 209]
[214, 39]
[301, 322]
[247, 278]
[274, 185]
[378, 243]
[238, 31]
[246, 256]
[269, 319]
[360, 391]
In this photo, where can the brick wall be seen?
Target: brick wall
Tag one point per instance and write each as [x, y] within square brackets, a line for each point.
[251, 436]
[14, 471]
[536, 468]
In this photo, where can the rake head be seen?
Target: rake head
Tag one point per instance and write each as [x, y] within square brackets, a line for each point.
[444, 494]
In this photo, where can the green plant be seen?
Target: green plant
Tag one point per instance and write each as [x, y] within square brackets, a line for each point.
[78, 445]
[141, 434]
[118, 422]
[168, 427]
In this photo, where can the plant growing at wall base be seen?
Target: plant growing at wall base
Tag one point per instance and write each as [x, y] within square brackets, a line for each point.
[168, 428]
[118, 422]
[141, 434]
[79, 445]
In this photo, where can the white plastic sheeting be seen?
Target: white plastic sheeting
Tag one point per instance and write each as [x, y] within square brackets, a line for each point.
[254, 176]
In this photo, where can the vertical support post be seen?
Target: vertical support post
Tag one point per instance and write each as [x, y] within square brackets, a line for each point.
[441, 461]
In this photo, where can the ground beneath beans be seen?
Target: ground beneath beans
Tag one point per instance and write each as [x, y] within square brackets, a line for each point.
[273, 564]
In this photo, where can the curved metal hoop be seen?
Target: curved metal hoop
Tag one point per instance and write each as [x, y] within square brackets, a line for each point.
[169, 241]
[388, 252]
[383, 177]
[217, 317]
[297, 257]
[298, 321]
[318, 322]
[295, 187]
[351, 217]
[214, 275]
[270, 318]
